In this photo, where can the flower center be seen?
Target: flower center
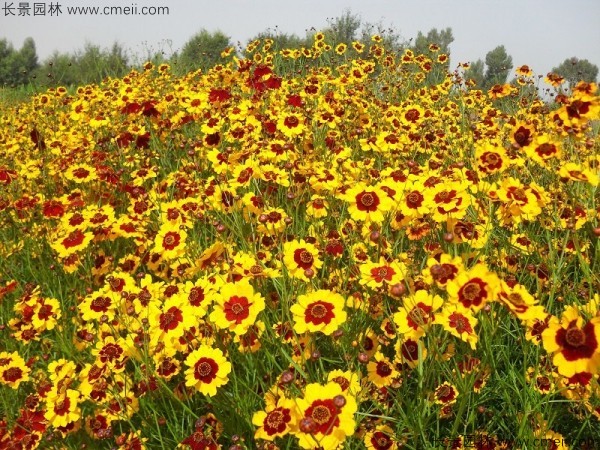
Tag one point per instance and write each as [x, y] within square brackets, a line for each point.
[472, 291]
[169, 240]
[367, 199]
[306, 257]
[321, 414]
[575, 337]
[204, 369]
[275, 419]
[318, 311]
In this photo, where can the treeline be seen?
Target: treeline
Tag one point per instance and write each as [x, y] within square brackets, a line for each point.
[92, 64]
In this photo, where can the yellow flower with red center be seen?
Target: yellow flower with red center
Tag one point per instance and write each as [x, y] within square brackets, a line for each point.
[577, 172]
[171, 320]
[13, 370]
[449, 200]
[491, 158]
[520, 302]
[62, 408]
[291, 124]
[543, 149]
[301, 259]
[380, 438]
[378, 274]
[348, 381]
[442, 270]
[367, 203]
[236, 307]
[111, 352]
[459, 322]
[170, 241]
[321, 310]
[473, 288]
[325, 416]
[409, 352]
[72, 241]
[278, 419]
[208, 369]
[574, 342]
[99, 304]
[445, 394]
[417, 314]
[381, 372]
[81, 173]
[317, 207]
[414, 200]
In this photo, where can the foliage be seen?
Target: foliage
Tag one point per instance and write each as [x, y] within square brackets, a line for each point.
[17, 67]
[574, 70]
[498, 66]
[202, 51]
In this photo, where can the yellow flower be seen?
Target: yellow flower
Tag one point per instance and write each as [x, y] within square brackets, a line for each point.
[301, 259]
[417, 313]
[208, 370]
[170, 241]
[381, 372]
[474, 288]
[13, 370]
[236, 307]
[276, 420]
[459, 322]
[62, 408]
[321, 310]
[326, 416]
[367, 203]
[377, 274]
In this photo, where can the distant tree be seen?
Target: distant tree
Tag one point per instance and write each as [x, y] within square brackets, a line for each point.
[443, 38]
[93, 64]
[17, 67]
[203, 50]
[283, 40]
[574, 70]
[60, 69]
[499, 65]
[476, 73]
[343, 29]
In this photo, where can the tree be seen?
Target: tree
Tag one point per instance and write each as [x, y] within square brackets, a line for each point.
[17, 67]
[343, 29]
[443, 38]
[476, 73]
[203, 50]
[574, 70]
[499, 65]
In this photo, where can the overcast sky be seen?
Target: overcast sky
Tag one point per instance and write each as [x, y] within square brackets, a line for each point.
[540, 33]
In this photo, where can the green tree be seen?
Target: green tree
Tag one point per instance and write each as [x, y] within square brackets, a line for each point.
[574, 70]
[202, 51]
[499, 65]
[17, 67]
[443, 38]
[343, 29]
[476, 73]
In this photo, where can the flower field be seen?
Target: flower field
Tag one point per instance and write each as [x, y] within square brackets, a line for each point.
[340, 247]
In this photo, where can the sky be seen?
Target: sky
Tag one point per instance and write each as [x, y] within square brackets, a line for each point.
[539, 33]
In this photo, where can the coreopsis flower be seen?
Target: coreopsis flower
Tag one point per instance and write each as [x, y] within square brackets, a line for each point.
[170, 241]
[544, 148]
[367, 203]
[381, 371]
[445, 394]
[380, 438]
[459, 322]
[276, 420]
[317, 207]
[321, 310]
[519, 201]
[13, 370]
[348, 381]
[236, 307]
[62, 408]
[574, 342]
[442, 270]
[300, 258]
[169, 321]
[409, 352]
[474, 288]
[576, 172]
[414, 200]
[417, 314]
[490, 158]
[291, 124]
[325, 416]
[81, 173]
[208, 369]
[378, 274]
[71, 241]
[449, 200]
[520, 302]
